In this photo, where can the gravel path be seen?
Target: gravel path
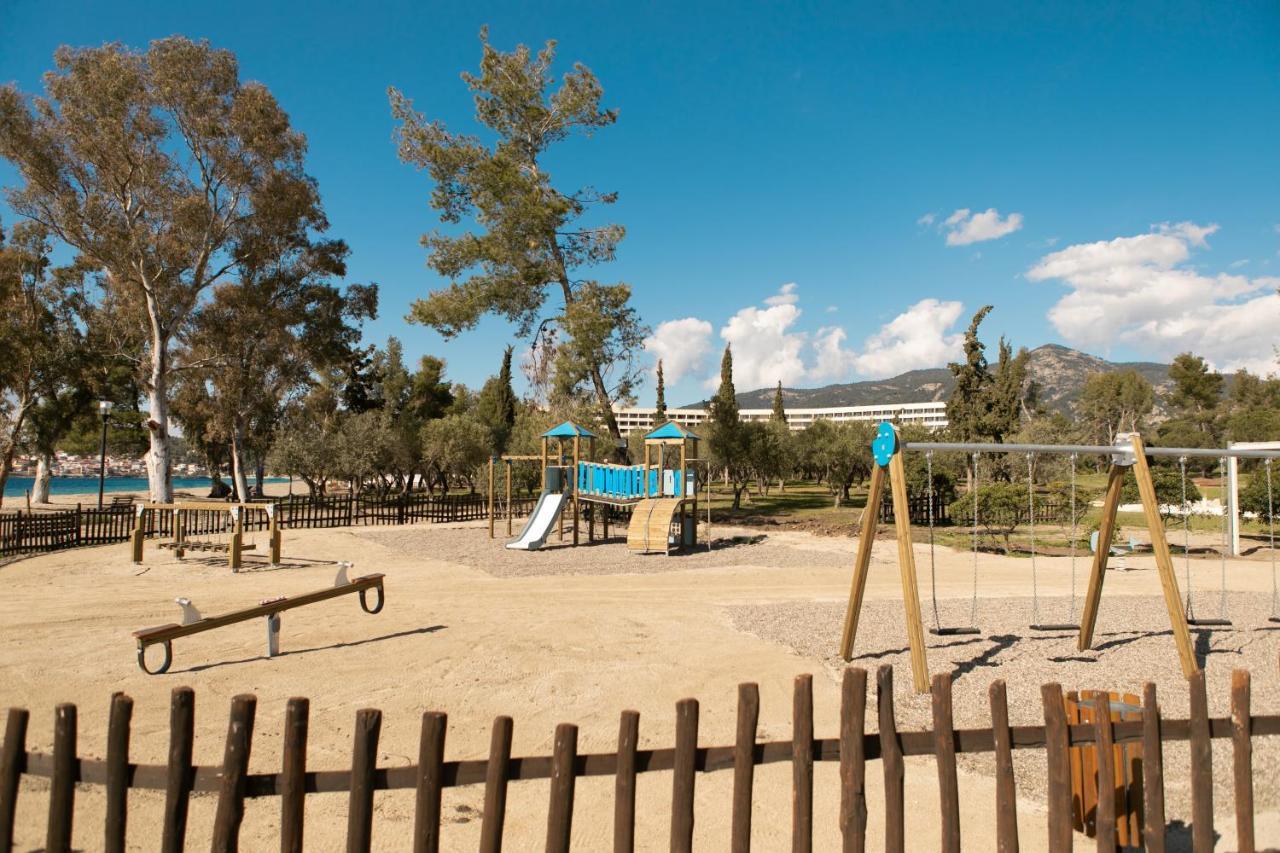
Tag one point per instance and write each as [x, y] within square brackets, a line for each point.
[1133, 645]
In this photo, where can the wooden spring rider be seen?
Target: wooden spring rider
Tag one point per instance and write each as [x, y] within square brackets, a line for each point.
[1128, 452]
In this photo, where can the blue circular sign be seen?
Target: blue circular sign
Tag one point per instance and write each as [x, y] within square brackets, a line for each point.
[885, 443]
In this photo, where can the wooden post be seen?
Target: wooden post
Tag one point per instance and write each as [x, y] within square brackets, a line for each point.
[12, 759]
[685, 766]
[1106, 529]
[273, 532]
[293, 775]
[178, 785]
[235, 769]
[495, 787]
[491, 500]
[1006, 789]
[426, 814]
[624, 787]
[862, 564]
[237, 537]
[802, 765]
[364, 767]
[573, 484]
[1201, 770]
[117, 773]
[507, 468]
[907, 568]
[560, 812]
[62, 787]
[944, 752]
[1164, 561]
[1104, 749]
[1057, 749]
[891, 763]
[179, 532]
[853, 761]
[544, 463]
[1242, 758]
[744, 767]
[136, 538]
[1153, 830]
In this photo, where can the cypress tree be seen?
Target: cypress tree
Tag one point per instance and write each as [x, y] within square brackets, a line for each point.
[660, 409]
[779, 410]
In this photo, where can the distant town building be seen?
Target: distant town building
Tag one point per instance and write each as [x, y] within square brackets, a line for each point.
[932, 414]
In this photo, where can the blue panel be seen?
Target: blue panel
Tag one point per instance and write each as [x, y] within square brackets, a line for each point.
[885, 443]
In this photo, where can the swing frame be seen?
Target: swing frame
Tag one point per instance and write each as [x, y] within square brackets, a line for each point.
[1129, 451]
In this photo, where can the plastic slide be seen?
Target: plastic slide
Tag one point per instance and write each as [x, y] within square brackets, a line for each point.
[540, 523]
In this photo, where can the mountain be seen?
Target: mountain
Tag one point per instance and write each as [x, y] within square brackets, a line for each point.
[1060, 372]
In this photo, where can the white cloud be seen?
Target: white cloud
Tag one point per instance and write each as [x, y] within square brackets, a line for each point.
[964, 226]
[786, 296]
[1235, 265]
[682, 345]
[765, 348]
[1140, 290]
[927, 220]
[918, 337]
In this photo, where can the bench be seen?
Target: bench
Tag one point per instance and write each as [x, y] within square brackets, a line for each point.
[270, 609]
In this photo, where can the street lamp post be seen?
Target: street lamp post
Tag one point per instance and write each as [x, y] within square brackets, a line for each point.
[104, 406]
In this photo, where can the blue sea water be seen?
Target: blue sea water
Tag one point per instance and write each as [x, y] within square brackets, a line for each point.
[18, 486]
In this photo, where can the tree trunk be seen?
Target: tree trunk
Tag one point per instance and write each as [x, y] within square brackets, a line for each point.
[11, 446]
[44, 470]
[239, 477]
[260, 475]
[159, 468]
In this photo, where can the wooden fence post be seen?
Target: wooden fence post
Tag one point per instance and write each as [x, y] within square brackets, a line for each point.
[11, 759]
[180, 777]
[1006, 788]
[426, 815]
[944, 751]
[624, 788]
[235, 767]
[1153, 832]
[1242, 758]
[495, 787]
[744, 766]
[891, 763]
[364, 765]
[62, 788]
[1104, 748]
[802, 765]
[117, 773]
[560, 811]
[1057, 751]
[685, 765]
[853, 766]
[1202, 835]
[293, 775]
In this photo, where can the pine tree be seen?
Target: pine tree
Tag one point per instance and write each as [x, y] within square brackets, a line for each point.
[966, 409]
[660, 409]
[729, 437]
[496, 405]
[779, 409]
[724, 405]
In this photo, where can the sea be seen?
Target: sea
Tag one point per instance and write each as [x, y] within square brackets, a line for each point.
[17, 486]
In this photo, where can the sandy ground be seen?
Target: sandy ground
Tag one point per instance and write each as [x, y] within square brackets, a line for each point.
[577, 635]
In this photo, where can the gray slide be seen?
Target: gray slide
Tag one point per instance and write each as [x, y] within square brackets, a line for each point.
[540, 523]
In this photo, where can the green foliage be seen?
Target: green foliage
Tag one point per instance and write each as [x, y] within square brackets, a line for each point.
[456, 446]
[986, 405]
[528, 242]
[1114, 402]
[1254, 497]
[660, 405]
[1168, 485]
[1002, 509]
[496, 405]
[779, 413]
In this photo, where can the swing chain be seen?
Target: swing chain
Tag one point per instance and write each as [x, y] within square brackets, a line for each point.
[973, 603]
[1186, 538]
[1271, 537]
[1075, 523]
[933, 569]
[1031, 519]
[1226, 536]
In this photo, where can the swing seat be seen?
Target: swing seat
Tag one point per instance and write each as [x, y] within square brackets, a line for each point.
[1051, 626]
[1211, 623]
[954, 632]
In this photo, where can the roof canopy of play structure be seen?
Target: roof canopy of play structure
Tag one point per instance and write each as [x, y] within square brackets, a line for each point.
[664, 473]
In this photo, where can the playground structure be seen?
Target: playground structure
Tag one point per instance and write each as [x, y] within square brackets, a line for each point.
[661, 492]
[1129, 452]
[205, 526]
[194, 623]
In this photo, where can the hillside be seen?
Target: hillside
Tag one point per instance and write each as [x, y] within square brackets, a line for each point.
[1060, 372]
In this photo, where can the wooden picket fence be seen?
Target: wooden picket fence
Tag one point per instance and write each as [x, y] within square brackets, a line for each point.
[33, 532]
[853, 748]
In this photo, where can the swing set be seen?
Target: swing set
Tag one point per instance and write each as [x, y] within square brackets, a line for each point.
[1128, 452]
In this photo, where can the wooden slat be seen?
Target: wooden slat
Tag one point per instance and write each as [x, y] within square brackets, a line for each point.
[1105, 825]
[862, 564]
[235, 766]
[853, 764]
[802, 765]
[62, 790]
[1242, 759]
[891, 763]
[1079, 790]
[944, 751]
[364, 762]
[682, 787]
[117, 773]
[495, 786]
[624, 786]
[744, 767]
[179, 778]
[1202, 835]
[1059, 773]
[430, 788]
[1006, 788]
[293, 773]
[560, 811]
[12, 755]
[1098, 572]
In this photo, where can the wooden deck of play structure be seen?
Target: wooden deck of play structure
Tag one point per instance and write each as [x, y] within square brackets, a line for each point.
[852, 748]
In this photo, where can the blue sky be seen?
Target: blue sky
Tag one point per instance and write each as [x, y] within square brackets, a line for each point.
[832, 188]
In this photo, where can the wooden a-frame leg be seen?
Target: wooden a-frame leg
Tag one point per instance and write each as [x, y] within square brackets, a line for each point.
[866, 541]
[907, 568]
[1164, 561]
[1106, 529]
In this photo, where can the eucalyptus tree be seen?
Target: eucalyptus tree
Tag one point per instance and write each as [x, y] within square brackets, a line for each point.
[529, 239]
[150, 165]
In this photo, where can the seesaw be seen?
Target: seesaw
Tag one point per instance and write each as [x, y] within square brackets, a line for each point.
[271, 608]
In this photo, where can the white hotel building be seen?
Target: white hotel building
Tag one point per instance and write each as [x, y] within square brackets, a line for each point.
[932, 414]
